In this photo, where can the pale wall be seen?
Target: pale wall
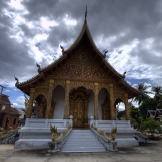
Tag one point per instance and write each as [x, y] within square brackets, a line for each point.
[101, 99]
[59, 97]
[91, 105]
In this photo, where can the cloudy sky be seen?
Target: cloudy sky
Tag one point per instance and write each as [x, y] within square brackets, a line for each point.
[32, 30]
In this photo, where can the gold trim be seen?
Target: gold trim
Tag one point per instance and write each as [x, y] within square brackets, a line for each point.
[4, 134]
[113, 133]
[79, 108]
[54, 133]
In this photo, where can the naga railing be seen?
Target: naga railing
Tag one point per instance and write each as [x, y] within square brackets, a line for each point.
[4, 134]
[141, 137]
[108, 142]
[58, 141]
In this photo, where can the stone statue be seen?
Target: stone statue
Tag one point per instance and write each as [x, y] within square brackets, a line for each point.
[113, 133]
[54, 132]
[10, 128]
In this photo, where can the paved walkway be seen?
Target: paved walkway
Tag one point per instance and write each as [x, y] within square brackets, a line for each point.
[151, 152]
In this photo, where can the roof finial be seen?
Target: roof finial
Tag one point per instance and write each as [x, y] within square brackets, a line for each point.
[17, 80]
[124, 74]
[86, 15]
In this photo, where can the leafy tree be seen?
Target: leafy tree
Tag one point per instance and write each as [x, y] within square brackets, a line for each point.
[136, 118]
[158, 92]
[151, 124]
[158, 95]
[141, 87]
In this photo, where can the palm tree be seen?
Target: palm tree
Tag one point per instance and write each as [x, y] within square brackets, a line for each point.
[141, 87]
[158, 92]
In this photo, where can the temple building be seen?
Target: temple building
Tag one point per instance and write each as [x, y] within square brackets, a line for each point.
[80, 83]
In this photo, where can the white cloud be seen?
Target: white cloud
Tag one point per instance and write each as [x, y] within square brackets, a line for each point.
[46, 23]
[40, 37]
[138, 39]
[19, 102]
[16, 4]
[36, 54]
[69, 21]
[121, 106]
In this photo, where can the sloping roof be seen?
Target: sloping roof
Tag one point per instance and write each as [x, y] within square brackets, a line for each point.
[85, 33]
[154, 113]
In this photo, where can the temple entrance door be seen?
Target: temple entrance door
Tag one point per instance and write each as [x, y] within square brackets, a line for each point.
[79, 109]
[78, 113]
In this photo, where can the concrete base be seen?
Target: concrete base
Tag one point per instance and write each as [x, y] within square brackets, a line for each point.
[127, 142]
[32, 143]
[36, 132]
[141, 138]
[125, 133]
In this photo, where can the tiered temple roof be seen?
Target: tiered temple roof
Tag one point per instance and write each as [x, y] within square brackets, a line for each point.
[67, 54]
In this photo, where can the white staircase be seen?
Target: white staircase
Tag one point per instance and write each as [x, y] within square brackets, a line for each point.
[82, 141]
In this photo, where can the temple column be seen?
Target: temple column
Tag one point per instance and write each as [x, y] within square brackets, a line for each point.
[30, 105]
[96, 101]
[49, 98]
[66, 104]
[112, 111]
[127, 106]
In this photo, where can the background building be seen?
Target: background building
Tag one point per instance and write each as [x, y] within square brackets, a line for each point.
[9, 116]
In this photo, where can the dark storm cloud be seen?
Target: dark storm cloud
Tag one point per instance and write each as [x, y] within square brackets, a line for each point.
[27, 31]
[104, 17]
[14, 59]
[53, 9]
[140, 20]
[62, 34]
[138, 17]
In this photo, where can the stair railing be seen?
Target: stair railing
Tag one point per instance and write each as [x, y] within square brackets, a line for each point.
[5, 134]
[141, 137]
[108, 142]
[58, 141]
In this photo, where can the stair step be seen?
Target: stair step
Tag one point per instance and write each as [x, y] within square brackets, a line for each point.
[83, 149]
[85, 144]
[82, 141]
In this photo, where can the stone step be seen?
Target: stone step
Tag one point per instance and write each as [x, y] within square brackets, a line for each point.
[82, 141]
[83, 133]
[82, 138]
[84, 149]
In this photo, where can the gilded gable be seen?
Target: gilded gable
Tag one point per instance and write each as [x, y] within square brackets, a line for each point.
[81, 65]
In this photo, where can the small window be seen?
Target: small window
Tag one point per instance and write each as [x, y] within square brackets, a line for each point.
[3, 107]
[14, 121]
